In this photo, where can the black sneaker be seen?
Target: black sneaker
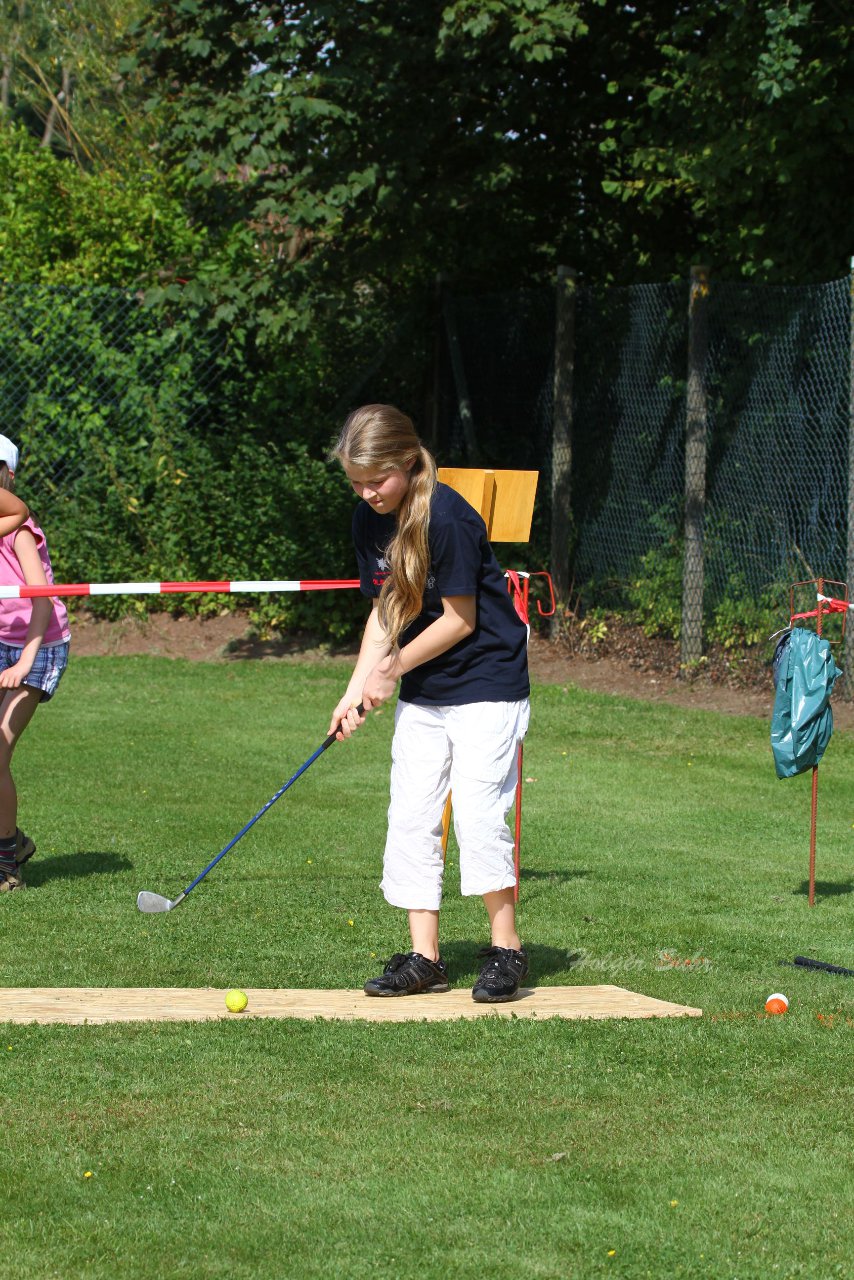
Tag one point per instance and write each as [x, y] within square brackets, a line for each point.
[501, 974]
[409, 975]
[24, 847]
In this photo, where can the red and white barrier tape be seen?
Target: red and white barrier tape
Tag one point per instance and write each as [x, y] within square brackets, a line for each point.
[518, 584]
[827, 604]
[172, 588]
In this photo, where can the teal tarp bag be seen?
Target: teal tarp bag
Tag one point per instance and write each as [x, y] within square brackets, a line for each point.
[802, 722]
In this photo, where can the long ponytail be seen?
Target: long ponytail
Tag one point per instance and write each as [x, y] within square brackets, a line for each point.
[380, 438]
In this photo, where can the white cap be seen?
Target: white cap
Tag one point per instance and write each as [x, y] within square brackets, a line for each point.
[9, 453]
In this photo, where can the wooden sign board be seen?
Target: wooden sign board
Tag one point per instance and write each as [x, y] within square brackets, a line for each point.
[505, 499]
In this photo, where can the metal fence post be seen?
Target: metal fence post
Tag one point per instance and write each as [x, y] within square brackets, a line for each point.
[696, 425]
[848, 650]
[432, 411]
[561, 459]
[472, 448]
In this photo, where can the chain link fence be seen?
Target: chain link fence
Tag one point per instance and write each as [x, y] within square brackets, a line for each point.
[778, 380]
[590, 386]
[85, 369]
[771, 370]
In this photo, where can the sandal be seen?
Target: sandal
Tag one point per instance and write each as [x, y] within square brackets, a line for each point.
[10, 881]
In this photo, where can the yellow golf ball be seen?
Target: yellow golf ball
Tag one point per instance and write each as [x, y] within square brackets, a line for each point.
[236, 1000]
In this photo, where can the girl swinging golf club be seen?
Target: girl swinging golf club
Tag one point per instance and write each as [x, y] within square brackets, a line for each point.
[443, 624]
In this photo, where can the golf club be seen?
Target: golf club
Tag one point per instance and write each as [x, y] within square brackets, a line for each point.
[153, 902]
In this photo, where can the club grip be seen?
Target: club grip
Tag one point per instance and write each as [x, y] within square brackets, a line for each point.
[360, 710]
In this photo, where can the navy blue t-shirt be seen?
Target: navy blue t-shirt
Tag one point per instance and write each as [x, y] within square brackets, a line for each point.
[490, 665]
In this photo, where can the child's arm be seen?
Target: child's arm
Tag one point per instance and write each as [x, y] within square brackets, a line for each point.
[456, 623]
[34, 576]
[13, 513]
[375, 645]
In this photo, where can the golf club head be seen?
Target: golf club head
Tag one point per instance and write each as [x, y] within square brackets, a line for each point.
[152, 902]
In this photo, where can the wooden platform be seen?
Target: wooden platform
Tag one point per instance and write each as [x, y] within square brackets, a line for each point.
[91, 1005]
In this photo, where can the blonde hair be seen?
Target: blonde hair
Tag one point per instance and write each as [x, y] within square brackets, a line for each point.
[381, 439]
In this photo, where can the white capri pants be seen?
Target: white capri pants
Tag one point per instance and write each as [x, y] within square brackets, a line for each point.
[472, 751]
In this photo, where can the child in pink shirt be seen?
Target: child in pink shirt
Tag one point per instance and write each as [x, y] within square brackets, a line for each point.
[34, 640]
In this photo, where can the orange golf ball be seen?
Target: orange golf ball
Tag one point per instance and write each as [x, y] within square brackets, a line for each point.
[778, 1003]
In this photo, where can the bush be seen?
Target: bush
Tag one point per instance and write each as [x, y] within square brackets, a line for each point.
[741, 620]
[654, 593]
[63, 225]
[138, 471]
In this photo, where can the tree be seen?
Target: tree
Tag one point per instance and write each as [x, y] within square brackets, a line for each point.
[63, 225]
[375, 142]
[732, 144]
[378, 142]
[83, 197]
[58, 74]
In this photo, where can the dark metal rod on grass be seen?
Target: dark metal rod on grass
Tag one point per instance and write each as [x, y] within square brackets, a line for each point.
[806, 963]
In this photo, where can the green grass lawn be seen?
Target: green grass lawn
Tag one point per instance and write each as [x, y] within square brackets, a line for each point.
[660, 853]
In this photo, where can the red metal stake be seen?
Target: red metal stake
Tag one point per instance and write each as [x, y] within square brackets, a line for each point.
[523, 609]
[814, 806]
[829, 605]
[519, 585]
[518, 837]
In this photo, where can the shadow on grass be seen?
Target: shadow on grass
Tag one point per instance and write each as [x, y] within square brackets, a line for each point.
[555, 877]
[69, 866]
[298, 647]
[825, 888]
[463, 963]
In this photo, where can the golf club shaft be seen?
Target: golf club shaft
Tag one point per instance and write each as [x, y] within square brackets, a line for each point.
[324, 746]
